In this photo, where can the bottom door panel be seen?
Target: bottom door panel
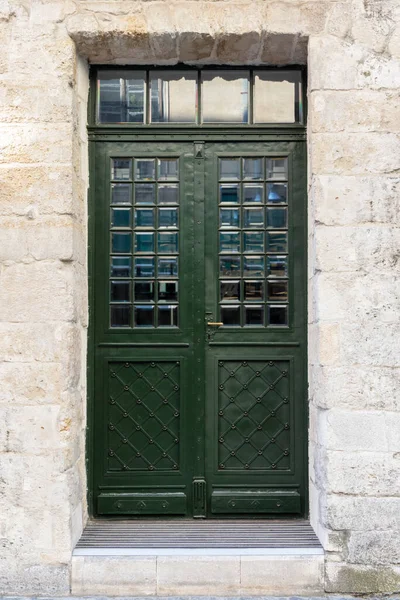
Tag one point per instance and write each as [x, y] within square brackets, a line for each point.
[157, 503]
[255, 501]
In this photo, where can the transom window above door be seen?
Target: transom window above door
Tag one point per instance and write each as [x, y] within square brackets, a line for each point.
[199, 96]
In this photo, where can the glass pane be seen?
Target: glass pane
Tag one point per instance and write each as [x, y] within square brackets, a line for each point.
[277, 266]
[168, 316]
[229, 242]
[120, 291]
[120, 316]
[230, 290]
[254, 290]
[168, 290]
[277, 290]
[276, 168]
[229, 193]
[145, 169]
[167, 242]
[168, 266]
[276, 96]
[144, 241]
[173, 96]
[167, 217]
[225, 96]
[121, 193]
[144, 266]
[121, 97]
[121, 266]
[230, 266]
[168, 194]
[277, 193]
[253, 241]
[121, 242]
[167, 169]
[144, 217]
[253, 168]
[253, 266]
[254, 315]
[121, 168]
[253, 193]
[120, 217]
[229, 168]
[144, 316]
[277, 315]
[277, 241]
[145, 193]
[229, 217]
[230, 315]
[144, 291]
[253, 217]
[277, 217]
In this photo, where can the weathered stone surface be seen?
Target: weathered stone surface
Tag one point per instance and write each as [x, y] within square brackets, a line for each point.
[363, 514]
[361, 579]
[363, 473]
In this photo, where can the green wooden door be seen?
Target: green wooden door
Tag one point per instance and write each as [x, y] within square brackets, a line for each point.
[198, 343]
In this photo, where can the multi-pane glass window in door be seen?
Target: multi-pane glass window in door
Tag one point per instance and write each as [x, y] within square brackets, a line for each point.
[144, 242]
[253, 241]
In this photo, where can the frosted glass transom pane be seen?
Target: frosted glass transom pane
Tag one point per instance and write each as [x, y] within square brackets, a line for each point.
[276, 96]
[225, 96]
[173, 96]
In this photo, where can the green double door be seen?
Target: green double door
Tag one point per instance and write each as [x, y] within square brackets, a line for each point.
[198, 330]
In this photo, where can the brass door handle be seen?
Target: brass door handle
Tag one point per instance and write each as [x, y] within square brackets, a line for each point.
[214, 324]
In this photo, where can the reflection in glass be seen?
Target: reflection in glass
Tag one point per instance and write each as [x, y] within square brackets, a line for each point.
[253, 266]
[277, 96]
[121, 168]
[254, 315]
[229, 193]
[120, 217]
[120, 316]
[230, 266]
[277, 266]
[254, 290]
[229, 217]
[277, 315]
[230, 290]
[144, 266]
[167, 217]
[168, 315]
[167, 242]
[144, 241]
[277, 217]
[121, 266]
[121, 96]
[121, 242]
[144, 217]
[120, 291]
[252, 193]
[145, 193]
[229, 168]
[277, 290]
[121, 193]
[229, 242]
[225, 96]
[253, 241]
[253, 217]
[230, 315]
[173, 96]
[168, 193]
[277, 241]
[167, 169]
[277, 168]
[253, 168]
[144, 316]
[168, 266]
[277, 193]
[145, 169]
[144, 291]
[168, 290]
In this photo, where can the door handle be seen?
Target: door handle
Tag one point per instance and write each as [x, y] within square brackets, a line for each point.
[214, 324]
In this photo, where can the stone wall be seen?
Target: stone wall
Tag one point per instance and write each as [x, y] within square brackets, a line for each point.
[354, 183]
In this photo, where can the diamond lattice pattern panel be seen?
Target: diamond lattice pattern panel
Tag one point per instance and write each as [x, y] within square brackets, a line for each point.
[253, 415]
[143, 423]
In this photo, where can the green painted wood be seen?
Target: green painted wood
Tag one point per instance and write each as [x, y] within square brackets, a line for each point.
[255, 502]
[164, 503]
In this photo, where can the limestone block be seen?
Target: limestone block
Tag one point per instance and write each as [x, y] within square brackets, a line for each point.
[28, 342]
[324, 343]
[339, 19]
[369, 343]
[54, 12]
[307, 18]
[25, 579]
[195, 46]
[283, 575]
[278, 49]
[353, 430]
[363, 514]
[372, 30]
[378, 71]
[327, 55]
[363, 473]
[42, 422]
[342, 578]
[231, 48]
[35, 143]
[394, 43]
[119, 576]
